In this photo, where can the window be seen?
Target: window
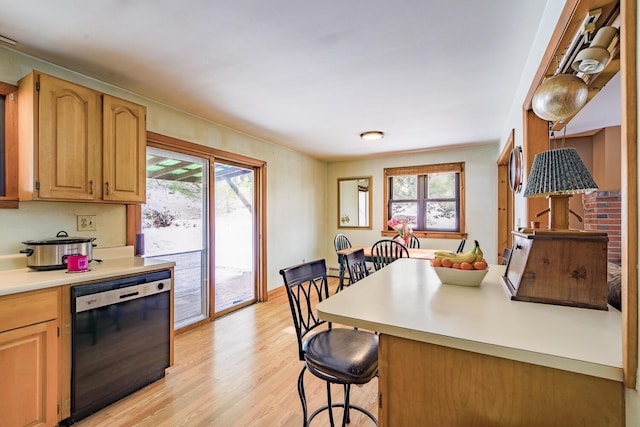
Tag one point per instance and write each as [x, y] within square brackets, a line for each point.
[8, 146]
[430, 198]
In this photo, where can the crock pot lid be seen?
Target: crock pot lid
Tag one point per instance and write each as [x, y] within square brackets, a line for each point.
[61, 238]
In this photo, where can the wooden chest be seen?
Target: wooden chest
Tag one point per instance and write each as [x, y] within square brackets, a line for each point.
[553, 267]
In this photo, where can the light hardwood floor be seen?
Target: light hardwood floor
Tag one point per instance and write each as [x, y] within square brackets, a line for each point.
[240, 370]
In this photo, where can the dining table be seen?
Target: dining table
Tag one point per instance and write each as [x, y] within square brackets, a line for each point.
[416, 253]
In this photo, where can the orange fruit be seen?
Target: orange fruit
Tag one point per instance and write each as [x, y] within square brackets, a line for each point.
[480, 265]
[465, 266]
[456, 266]
[436, 263]
[446, 262]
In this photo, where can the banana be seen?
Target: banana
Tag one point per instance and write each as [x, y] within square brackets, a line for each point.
[469, 257]
[479, 253]
[444, 254]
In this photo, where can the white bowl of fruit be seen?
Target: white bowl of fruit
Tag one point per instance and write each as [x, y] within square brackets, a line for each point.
[466, 269]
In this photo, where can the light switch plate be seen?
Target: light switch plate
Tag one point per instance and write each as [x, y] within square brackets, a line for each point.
[86, 222]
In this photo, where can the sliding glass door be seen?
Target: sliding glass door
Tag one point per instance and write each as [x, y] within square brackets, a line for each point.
[175, 226]
[204, 211]
[235, 231]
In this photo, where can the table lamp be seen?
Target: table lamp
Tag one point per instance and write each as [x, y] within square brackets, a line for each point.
[558, 174]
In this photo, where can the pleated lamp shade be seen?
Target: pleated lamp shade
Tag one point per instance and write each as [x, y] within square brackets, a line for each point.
[557, 175]
[559, 172]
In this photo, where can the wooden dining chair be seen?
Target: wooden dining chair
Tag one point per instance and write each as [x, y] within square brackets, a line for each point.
[385, 251]
[414, 242]
[356, 267]
[335, 355]
[340, 242]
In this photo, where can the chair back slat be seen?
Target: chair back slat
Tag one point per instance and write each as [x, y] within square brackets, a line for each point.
[384, 252]
[356, 265]
[340, 242]
[414, 242]
[306, 286]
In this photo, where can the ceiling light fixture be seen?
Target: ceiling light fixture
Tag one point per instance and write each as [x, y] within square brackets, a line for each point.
[372, 135]
[593, 59]
[580, 39]
[559, 97]
[7, 40]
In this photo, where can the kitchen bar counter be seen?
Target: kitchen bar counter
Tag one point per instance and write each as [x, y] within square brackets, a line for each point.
[440, 340]
[16, 278]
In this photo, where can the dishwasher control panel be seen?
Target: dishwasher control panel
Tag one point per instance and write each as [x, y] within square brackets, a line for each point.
[95, 295]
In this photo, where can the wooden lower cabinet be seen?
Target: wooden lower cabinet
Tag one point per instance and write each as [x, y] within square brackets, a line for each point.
[29, 359]
[424, 385]
[28, 376]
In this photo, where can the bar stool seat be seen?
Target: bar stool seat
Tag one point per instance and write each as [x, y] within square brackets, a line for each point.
[337, 355]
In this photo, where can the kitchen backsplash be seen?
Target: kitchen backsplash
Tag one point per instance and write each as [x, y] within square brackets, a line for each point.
[41, 220]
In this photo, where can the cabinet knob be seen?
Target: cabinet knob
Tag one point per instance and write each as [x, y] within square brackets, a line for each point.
[91, 187]
[108, 188]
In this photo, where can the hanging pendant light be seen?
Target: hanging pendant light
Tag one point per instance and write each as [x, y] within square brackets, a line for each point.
[560, 97]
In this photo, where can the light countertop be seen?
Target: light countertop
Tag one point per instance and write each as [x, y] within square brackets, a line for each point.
[406, 299]
[15, 277]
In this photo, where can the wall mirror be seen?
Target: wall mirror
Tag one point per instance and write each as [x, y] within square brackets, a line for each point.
[354, 202]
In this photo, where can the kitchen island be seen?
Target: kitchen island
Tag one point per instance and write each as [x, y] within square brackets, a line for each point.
[464, 356]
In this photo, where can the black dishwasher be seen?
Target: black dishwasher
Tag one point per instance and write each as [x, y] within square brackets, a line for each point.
[120, 339]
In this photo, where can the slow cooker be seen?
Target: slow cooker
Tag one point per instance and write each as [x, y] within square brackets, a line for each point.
[52, 253]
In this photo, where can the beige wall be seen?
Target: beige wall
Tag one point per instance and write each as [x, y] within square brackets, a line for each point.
[480, 195]
[296, 192]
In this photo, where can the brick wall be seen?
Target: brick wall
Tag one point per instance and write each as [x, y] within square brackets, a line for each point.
[602, 212]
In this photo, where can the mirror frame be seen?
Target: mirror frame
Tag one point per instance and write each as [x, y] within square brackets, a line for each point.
[370, 204]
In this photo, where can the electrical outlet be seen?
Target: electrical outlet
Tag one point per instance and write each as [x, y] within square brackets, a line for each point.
[86, 222]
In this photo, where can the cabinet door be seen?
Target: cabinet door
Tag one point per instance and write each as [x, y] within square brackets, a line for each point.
[28, 376]
[124, 158]
[69, 142]
[8, 150]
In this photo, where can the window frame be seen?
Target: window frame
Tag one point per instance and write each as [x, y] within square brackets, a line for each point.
[458, 167]
[10, 198]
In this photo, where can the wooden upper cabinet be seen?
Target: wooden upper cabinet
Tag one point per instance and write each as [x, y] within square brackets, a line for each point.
[9, 152]
[124, 151]
[77, 144]
[68, 155]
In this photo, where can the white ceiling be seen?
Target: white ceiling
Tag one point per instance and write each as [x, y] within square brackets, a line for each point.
[307, 75]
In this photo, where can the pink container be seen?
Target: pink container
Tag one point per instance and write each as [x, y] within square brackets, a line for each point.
[77, 263]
